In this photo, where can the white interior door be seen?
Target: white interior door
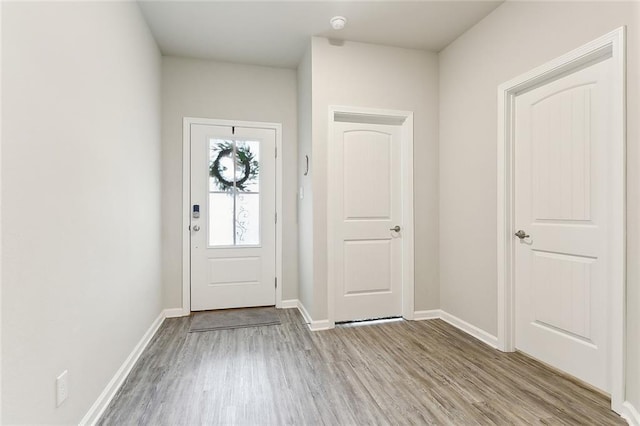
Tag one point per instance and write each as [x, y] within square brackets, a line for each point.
[232, 217]
[367, 208]
[562, 187]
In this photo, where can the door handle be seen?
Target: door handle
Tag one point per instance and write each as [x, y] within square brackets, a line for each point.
[395, 228]
[196, 228]
[521, 234]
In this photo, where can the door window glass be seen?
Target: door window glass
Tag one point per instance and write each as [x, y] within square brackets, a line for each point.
[234, 192]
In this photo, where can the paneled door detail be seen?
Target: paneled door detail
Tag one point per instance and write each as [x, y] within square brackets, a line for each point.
[367, 216]
[562, 217]
[232, 217]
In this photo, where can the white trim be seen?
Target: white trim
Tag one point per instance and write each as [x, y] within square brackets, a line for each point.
[630, 414]
[408, 256]
[458, 323]
[612, 44]
[321, 325]
[186, 217]
[279, 212]
[427, 315]
[304, 313]
[98, 407]
[0, 215]
[313, 325]
[289, 304]
[405, 120]
[186, 206]
[470, 329]
[174, 313]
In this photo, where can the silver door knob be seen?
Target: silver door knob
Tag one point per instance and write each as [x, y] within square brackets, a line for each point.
[196, 228]
[521, 234]
[395, 228]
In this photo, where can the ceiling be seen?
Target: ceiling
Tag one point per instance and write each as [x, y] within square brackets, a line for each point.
[276, 33]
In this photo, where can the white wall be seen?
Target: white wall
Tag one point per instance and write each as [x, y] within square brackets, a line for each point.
[305, 204]
[208, 89]
[373, 76]
[516, 37]
[81, 200]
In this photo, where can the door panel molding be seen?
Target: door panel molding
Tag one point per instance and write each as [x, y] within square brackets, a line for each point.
[187, 122]
[403, 119]
[610, 46]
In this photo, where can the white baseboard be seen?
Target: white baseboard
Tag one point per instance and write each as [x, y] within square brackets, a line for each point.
[321, 325]
[470, 329]
[96, 410]
[288, 304]
[427, 315]
[314, 325]
[630, 414]
[305, 314]
[174, 313]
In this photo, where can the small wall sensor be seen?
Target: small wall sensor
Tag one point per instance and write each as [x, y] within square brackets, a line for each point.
[338, 22]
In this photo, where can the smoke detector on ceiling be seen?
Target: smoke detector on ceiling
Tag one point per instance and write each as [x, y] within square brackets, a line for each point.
[338, 22]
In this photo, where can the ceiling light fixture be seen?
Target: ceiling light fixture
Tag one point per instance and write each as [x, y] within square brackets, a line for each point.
[338, 22]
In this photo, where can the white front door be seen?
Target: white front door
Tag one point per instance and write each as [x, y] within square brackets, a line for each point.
[233, 240]
[563, 178]
[367, 207]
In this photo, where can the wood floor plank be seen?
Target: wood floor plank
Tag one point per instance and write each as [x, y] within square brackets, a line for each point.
[392, 373]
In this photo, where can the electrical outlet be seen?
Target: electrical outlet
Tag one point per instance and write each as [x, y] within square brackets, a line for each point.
[62, 387]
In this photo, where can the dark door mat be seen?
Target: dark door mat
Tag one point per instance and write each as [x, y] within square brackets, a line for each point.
[233, 318]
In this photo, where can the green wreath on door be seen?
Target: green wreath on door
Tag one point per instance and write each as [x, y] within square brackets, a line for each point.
[245, 161]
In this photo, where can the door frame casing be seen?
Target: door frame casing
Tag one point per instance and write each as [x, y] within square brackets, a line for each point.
[186, 199]
[612, 47]
[404, 119]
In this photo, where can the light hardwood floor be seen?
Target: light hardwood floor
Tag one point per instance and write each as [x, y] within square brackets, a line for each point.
[404, 372]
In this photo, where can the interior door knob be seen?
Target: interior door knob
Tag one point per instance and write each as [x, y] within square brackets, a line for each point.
[196, 228]
[395, 228]
[521, 234]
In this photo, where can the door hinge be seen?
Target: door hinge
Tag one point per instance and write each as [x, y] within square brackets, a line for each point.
[276, 152]
[276, 217]
[276, 281]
